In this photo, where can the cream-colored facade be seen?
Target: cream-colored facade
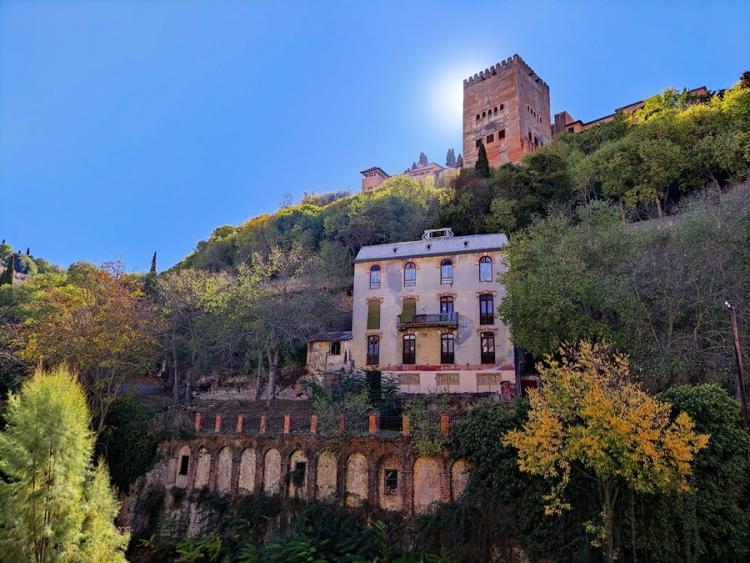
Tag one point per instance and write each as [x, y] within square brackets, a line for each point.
[433, 308]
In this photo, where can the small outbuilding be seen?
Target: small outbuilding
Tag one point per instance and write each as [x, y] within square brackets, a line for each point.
[329, 352]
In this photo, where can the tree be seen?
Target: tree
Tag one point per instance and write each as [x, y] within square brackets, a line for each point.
[482, 165]
[9, 273]
[102, 542]
[45, 456]
[152, 270]
[460, 161]
[589, 417]
[450, 159]
[99, 323]
[423, 159]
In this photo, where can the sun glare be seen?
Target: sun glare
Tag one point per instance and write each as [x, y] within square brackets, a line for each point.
[446, 94]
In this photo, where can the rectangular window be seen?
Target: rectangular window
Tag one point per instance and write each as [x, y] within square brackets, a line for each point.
[409, 382]
[410, 349]
[184, 460]
[373, 350]
[486, 309]
[335, 348]
[446, 305]
[488, 347]
[447, 382]
[446, 349]
[501, 134]
[489, 382]
[298, 475]
[490, 138]
[479, 142]
[373, 315]
[390, 485]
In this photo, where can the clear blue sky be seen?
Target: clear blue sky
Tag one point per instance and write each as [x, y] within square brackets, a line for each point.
[139, 125]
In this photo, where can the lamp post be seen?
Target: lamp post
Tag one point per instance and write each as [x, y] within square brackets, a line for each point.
[740, 367]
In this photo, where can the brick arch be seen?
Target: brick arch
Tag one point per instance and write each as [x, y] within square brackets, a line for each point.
[459, 477]
[271, 471]
[326, 474]
[297, 456]
[389, 499]
[202, 468]
[427, 485]
[248, 462]
[356, 479]
[182, 480]
[224, 470]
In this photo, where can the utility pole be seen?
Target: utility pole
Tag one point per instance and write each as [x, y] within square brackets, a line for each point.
[740, 368]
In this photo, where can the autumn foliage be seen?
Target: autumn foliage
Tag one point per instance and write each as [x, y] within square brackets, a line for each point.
[589, 417]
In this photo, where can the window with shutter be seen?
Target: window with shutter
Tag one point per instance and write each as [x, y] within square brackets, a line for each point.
[373, 315]
[409, 310]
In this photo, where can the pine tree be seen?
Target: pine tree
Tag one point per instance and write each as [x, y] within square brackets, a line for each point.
[45, 458]
[8, 274]
[423, 159]
[482, 166]
[450, 159]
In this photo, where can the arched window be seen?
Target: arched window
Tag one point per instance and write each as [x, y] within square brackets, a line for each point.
[485, 268]
[410, 274]
[373, 350]
[446, 272]
[375, 277]
[410, 349]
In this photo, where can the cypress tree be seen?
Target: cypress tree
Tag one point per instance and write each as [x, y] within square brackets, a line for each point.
[153, 264]
[483, 165]
[460, 161]
[450, 159]
[423, 159]
[7, 275]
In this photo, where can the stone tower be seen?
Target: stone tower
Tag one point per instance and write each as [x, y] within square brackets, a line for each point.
[506, 107]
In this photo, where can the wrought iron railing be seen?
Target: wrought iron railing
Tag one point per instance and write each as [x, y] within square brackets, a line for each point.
[435, 319]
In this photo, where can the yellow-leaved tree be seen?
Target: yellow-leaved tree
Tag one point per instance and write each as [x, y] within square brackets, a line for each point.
[588, 416]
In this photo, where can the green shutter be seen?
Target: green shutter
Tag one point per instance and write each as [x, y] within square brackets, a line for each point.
[410, 309]
[373, 315]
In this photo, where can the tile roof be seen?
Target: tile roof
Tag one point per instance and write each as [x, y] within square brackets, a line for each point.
[331, 336]
[432, 247]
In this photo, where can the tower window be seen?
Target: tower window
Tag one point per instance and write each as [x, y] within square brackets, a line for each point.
[478, 142]
[477, 117]
[490, 138]
[501, 134]
[502, 107]
[484, 114]
[495, 109]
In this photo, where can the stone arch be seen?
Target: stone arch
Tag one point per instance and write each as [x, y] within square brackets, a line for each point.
[326, 478]
[356, 479]
[182, 467]
[459, 478]
[271, 471]
[224, 470]
[390, 473]
[426, 483]
[202, 468]
[246, 483]
[297, 474]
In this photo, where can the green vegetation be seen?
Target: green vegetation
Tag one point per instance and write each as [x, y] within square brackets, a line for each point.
[55, 506]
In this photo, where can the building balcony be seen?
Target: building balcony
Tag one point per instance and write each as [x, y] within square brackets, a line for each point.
[449, 320]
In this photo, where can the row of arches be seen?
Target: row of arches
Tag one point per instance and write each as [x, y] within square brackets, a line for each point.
[383, 478]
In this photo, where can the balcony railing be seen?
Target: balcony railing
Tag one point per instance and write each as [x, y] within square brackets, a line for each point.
[437, 319]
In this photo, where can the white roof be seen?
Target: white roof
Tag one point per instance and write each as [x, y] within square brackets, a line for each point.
[432, 247]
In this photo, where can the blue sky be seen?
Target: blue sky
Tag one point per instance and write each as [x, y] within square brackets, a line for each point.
[141, 125]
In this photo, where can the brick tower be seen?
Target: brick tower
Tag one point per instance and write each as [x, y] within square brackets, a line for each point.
[506, 107]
